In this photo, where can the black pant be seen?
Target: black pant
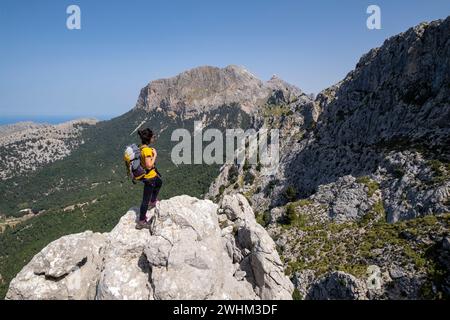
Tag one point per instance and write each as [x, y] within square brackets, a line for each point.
[151, 190]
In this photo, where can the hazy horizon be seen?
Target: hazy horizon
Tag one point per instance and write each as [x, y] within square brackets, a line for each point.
[50, 119]
[49, 71]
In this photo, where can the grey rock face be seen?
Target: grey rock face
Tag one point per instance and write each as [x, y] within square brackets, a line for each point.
[416, 191]
[396, 99]
[185, 255]
[188, 258]
[255, 251]
[346, 199]
[67, 268]
[126, 271]
[373, 148]
[296, 118]
[337, 286]
[303, 280]
[236, 207]
[206, 88]
[388, 119]
[396, 272]
[446, 243]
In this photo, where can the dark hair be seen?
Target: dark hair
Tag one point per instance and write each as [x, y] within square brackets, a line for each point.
[146, 135]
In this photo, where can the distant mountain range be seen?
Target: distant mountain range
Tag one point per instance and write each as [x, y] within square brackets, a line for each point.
[27, 146]
[363, 187]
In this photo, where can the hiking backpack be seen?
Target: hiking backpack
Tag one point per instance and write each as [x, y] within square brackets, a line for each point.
[132, 157]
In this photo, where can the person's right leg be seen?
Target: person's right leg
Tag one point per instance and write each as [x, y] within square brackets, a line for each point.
[148, 188]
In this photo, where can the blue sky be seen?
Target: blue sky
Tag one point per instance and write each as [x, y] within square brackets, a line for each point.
[48, 70]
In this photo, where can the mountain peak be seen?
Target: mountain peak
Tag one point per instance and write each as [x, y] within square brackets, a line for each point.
[205, 88]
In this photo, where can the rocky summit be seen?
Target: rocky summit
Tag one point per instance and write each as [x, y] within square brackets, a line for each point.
[193, 250]
[207, 88]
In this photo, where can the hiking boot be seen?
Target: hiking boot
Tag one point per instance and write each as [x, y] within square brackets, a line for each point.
[142, 225]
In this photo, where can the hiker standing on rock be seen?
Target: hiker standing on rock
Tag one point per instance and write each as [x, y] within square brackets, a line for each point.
[152, 179]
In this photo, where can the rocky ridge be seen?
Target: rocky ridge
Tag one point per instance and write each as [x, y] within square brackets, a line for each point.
[27, 146]
[368, 158]
[194, 250]
[372, 124]
[8, 129]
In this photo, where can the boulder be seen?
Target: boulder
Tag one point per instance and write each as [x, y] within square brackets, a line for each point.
[255, 250]
[337, 286]
[125, 271]
[187, 255]
[303, 280]
[67, 268]
[236, 206]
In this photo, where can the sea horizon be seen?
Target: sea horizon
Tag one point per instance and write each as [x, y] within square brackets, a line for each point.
[6, 120]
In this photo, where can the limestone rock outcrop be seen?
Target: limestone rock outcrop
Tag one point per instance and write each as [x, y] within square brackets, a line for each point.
[364, 171]
[337, 286]
[388, 119]
[190, 252]
[205, 88]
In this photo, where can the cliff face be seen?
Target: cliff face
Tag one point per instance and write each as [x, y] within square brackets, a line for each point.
[389, 118]
[193, 250]
[364, 174]
[387, 121]
[207, 88]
